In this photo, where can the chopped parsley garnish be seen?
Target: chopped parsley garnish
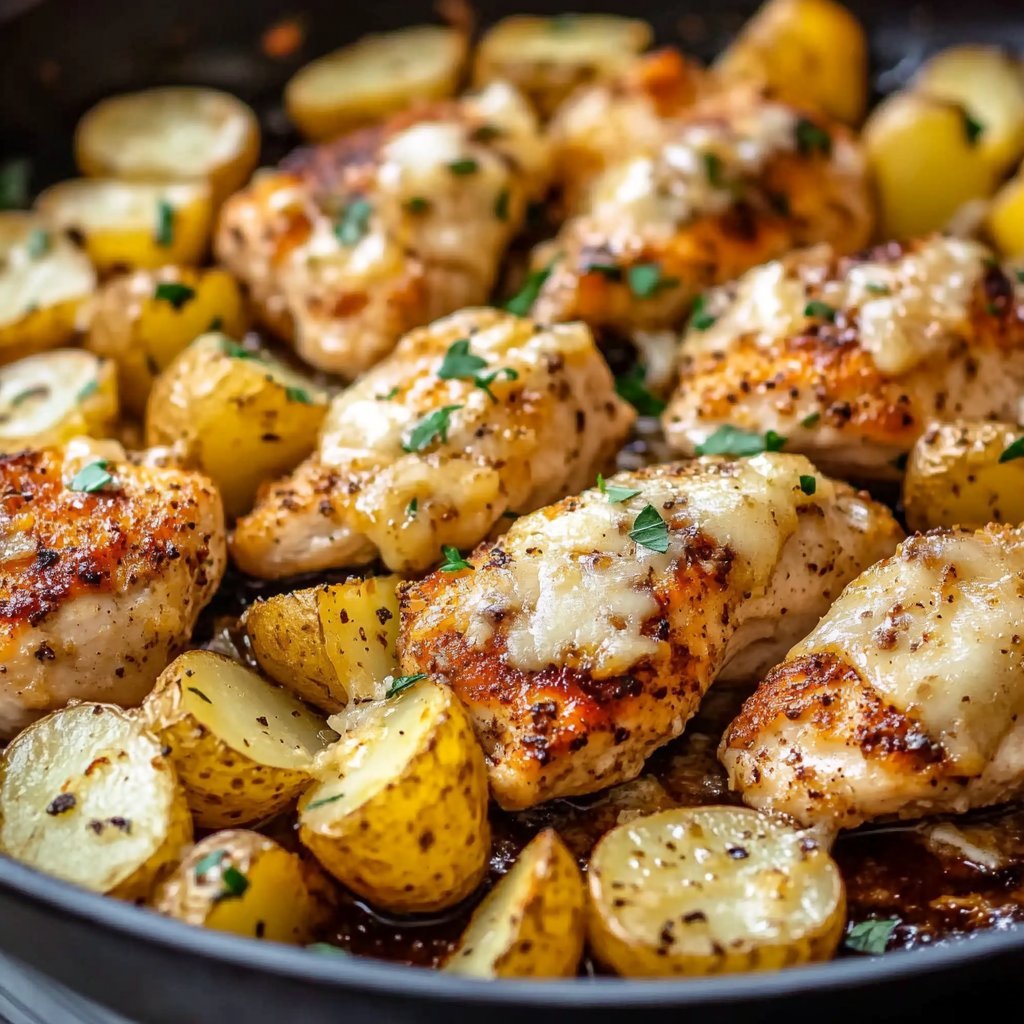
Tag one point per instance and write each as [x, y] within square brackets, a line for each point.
[164, 224]
[1019, 274]
[391, 394]
[210, 861]
[39, 391]
[418, 205]
[38, 243]
[459, 363]
[485, 133]
[400, 683]
[236, 351]
[465, 166]
[1014, 451]
[412, 508]
[632, 387]
[613, 492]
[14, 175]
[216, 324]
[88, 390]
[522, 302]
[810, 138]
[234, 882]
[610, 270]
[817, 308]
[323, 802]
[199, 693]
[483, 381]
[700, 318]
[453, 560]
[729, 440]
[713, 169]
[174, 292]
[300, 395]
[501, 204]
[973, 128]
[650, 530]
[354, 221]
[871, 936]
[812, 419]
[646, 280]
[808, 484]
[91, 478]
[432, 426]
[877, 289]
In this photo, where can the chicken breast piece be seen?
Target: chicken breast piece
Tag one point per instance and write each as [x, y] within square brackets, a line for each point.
[738, 181]
[907, 699]
[352, 244]
[471, 420]
[106, 566]
[585, 638]
[850, 358]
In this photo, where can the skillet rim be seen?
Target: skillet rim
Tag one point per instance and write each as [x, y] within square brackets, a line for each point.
[379, 978]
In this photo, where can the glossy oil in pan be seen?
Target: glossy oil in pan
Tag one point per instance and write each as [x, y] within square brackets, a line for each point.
[56, 58]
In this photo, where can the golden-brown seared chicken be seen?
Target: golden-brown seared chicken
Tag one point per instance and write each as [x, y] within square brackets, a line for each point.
[105, 567]
[849, 358]
[738, 181]
[586, 637]
[354, 243]
[473, 418]
[908, 697]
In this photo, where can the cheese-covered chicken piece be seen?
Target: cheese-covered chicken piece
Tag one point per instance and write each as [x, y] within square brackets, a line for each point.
[473, 419]
[105, 568]
[849, 358]
[585, 638]
[738, 181]
[352, 244]
[907, 699]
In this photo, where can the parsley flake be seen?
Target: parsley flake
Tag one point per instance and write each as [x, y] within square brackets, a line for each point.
[412, 508]
[973, 128]
[713, 168]
[88, 390]
[874, 288]
[91, 478]
[817, 308]
[234, 882]
[613, 492]
[207, 863]
[612, 271]
[646, 280]
[485, 133]
[322, 802]
[872, 936]
[501, 204]
[808, 484]
[14, 175]
[465, 166]
[435, 425]
[353, 223]
[174, 292]
[812, 419]
[522, 302]
[39, 391]
[391, 394]
[459, 363]
[418, 205]
[400, 683]
[236, 351]
[810, 138]
[483, 381]
[38, 243]
[453, 560]
[632, 387]
[700, 318]
[729, 440]
[300, 395]
[1019, 274]
[199, 693]
[650, 530]
[1014, 451]
[164, 234]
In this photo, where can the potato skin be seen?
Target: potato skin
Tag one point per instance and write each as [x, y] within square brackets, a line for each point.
[954, 477]
[1004, 222]
[422, 842]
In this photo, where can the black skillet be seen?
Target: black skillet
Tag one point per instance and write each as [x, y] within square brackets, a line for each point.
[56, 58]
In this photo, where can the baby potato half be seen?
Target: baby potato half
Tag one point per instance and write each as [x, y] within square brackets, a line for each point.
[245, 883]
[244, 748]
[532, 923]
[399, 809]
[711, 890]
[87, 794]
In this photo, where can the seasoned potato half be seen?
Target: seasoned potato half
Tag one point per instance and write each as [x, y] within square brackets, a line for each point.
[1005, 218]
[399, 810]
[174, 133]
[548, 57]
[532, 923]
[907, 137]
[374, 77]
[87, 795]
[243, 747]
[144, 320]
[242, 417]
[806, 51]
[49, 398]
[44, 281]
[965, 474]
[711, 890]
[989, 85]
[243, 882]
[132, 224]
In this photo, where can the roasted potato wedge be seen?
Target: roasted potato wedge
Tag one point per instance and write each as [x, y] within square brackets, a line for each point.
[241, 417]
[532, 923]
[86, 794]
[143, 321]
[546, 58]
[712, 890]
[245, 883]
[965, 474]
[49, 398]
[1004, 221]
[907, 137]
[44, 282]
[805, 51]
[374, 77]
[243, 747]
[399, 809]
[989, 85]
[176, 133]
[132, 224]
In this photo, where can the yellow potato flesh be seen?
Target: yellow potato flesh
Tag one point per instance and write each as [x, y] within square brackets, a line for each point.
[1005, 220]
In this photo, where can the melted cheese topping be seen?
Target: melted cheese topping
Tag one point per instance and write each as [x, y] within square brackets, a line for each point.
[906, 308]
[938, 631]
[577, 591]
